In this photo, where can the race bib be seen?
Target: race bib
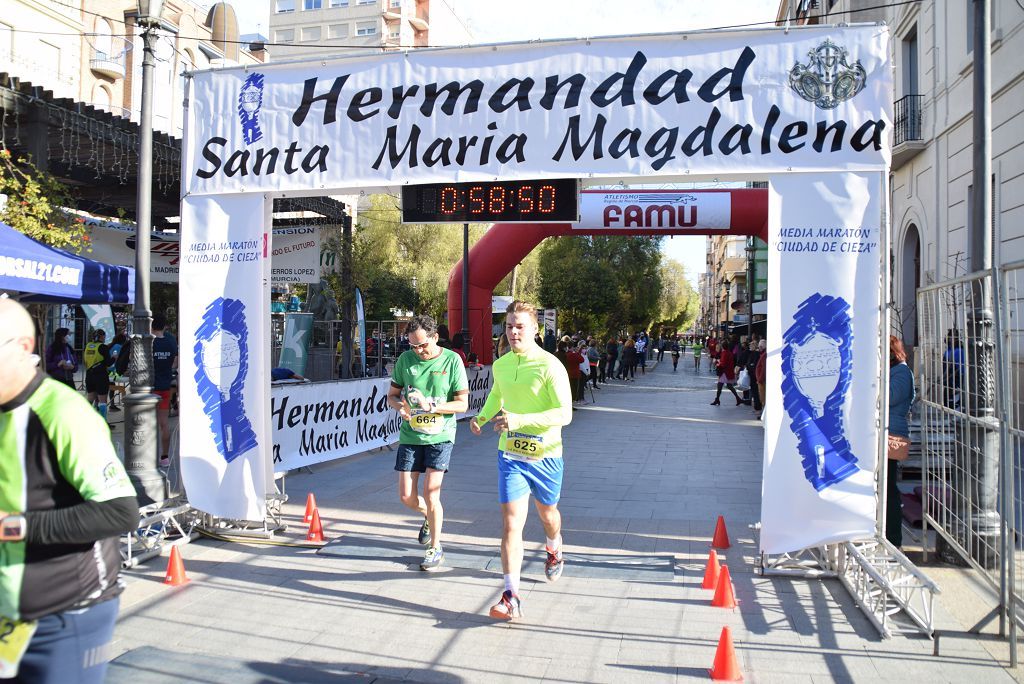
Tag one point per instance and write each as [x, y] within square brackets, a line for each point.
[14, 638]
[427, 423]
[530, 447]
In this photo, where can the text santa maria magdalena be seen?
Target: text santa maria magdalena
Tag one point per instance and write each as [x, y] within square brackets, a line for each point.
[582, 137]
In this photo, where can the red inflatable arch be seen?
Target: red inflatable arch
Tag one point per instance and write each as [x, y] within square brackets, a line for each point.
[506, 244]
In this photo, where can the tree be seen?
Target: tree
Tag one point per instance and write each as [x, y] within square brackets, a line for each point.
[35, 205]
[678, 304]
[388, 254]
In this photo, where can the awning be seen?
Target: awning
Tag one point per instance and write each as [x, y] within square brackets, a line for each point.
[46, 274]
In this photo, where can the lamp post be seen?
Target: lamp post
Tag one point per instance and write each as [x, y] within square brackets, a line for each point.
[140, 449]
[728, 287]
[751, 249]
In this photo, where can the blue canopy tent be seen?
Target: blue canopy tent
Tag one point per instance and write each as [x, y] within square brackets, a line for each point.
[46, 274]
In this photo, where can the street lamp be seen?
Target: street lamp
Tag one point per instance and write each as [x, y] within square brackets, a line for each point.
[728, 287]
[751, 249]
[140, 448]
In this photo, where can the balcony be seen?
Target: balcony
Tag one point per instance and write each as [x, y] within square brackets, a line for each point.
[109, 60]
[908, 131]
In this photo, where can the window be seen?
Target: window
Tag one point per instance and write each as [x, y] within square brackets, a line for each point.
[312, 4]
[339, 3]
[366, 28]
[396, 4]
[310, 33]
[395, 35]
[283, 6]
[367, 2]
[285, 36]
[337, 31]
[910, 82]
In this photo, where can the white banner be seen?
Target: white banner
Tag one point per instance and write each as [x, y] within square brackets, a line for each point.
[655, 209]
[296, 251]
[225, 452]
[313, 423]
[640, 106]
[821, 445]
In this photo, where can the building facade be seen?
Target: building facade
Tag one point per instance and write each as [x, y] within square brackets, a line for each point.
[91, 52]
[308, 28]
[931, 188]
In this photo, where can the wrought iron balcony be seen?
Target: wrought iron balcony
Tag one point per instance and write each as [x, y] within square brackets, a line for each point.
[908, 119]
[110, 60]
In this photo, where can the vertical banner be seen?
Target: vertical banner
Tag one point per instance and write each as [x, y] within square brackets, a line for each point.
[821, 445]
[101, 318]
[225, 453]
[297, 329]
[361, 324]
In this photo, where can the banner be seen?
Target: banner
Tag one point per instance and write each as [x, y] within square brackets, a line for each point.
[224, 358]
[703, 211]
[821, 445]
[361, 326]
[710, 102]
[100, 317]
[296, 251]
[294, 347]
[313, 423]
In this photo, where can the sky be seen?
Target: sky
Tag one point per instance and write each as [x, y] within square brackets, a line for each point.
[500, 21]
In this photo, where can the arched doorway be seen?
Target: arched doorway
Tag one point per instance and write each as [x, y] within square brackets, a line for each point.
[910, 280]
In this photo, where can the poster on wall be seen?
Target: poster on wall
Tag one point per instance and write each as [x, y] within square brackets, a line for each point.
[225, 451]
[821, 445]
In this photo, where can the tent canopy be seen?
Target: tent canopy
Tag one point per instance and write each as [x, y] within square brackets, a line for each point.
[47, 274]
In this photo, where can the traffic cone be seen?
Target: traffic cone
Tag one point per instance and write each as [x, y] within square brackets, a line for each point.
[721, 538]
[175, 575]
[711, 571]
[724, 597]
[310, 508]
[726, 667]
[316, 528]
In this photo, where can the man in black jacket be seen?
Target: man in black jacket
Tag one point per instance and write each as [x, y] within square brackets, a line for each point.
[64, 500]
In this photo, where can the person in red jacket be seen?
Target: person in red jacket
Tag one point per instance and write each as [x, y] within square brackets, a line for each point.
[759, 374]
[577, 379]
[726, 375]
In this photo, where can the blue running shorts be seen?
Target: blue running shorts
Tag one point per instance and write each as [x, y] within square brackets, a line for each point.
[542, 478]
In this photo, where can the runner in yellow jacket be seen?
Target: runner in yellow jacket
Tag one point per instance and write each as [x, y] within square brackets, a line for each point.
[530, 401]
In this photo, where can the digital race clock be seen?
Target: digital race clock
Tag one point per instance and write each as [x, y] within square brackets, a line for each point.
[532, 201]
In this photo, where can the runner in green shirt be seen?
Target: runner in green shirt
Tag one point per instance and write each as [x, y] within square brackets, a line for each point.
[529, 403]
[697, 348]
[428, 387]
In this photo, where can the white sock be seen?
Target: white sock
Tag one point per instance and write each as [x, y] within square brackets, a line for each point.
[554, 545]
[512, 583]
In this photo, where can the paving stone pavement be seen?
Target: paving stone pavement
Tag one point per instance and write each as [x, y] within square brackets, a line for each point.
[649, 467]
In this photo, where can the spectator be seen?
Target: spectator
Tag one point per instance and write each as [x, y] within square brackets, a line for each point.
[901, 396]
[726, 376]
[612, 352]
[760, 374]
[628, 363]
[61, 363]
[97, 376]
[65, 501]
[594, 359]
[116, 345]
[550, 343]
[575, 360]
[281, 373]
[458, 348]
[165, 363]
[753, 358]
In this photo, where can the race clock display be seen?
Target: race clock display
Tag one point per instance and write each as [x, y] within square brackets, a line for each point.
[535, 201]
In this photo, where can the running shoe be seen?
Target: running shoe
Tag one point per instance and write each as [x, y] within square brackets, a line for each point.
[433, 558]
[424, 537]
[553, 566]
[508, 607]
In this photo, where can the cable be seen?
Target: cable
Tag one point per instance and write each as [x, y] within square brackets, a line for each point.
[321, 46]
[259, 542]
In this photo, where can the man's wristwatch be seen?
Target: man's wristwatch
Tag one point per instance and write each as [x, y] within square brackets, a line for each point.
[12, 528]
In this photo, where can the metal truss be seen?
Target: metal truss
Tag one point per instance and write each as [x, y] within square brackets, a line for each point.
[171, 522]
[888, 588]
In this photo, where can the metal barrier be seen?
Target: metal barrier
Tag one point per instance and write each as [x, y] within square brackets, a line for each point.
[969, 375]
[323, 360]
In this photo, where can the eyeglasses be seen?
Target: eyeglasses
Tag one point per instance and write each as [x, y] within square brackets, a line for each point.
[424, 345]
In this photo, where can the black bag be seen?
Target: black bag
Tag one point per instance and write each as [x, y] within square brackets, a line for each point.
[123, 357]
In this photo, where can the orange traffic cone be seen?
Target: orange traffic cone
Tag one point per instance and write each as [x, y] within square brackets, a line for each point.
[726, 667]
[711, 571]
[316, 528]
[310, 508]
[175, 575]
[724, 597]
[721, 538]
